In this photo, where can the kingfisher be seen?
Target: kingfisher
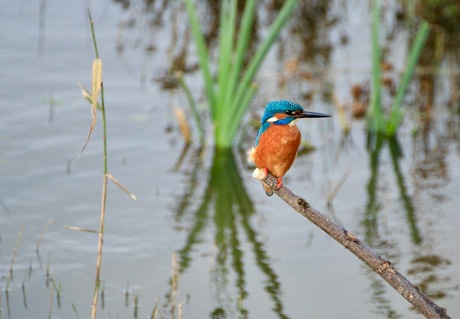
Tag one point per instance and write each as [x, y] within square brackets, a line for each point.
[278, 139]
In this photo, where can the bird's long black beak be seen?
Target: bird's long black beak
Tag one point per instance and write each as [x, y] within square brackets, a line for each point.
[305, 114]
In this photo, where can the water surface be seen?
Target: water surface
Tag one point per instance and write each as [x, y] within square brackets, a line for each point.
[239, 254]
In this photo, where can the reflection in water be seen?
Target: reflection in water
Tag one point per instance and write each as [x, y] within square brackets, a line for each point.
[396, 155]
[310, 25]
[435, 130]
[427, 268]
[383, 305]
[306, 53]
[375, 145]
[430, 144]
[227, 205]
[376, 142]
[307, 42]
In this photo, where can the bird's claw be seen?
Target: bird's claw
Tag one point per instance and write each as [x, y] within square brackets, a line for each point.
[280, 184]
[265, 171]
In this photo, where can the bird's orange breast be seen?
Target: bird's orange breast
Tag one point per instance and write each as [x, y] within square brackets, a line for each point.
[277, 149]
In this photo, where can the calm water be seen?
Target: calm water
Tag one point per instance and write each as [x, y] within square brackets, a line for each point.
[254, 257]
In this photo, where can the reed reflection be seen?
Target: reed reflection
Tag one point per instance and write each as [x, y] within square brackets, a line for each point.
[226, 207]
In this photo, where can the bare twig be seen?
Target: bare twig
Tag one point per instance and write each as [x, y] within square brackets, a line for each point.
[50, 309]
[155, 309]
[180, 309]
[98, 88]
[40, 239]
[337, 186]
[174, 283]
[86, 230]
[13, 258]
[116, 182]
[379, 265]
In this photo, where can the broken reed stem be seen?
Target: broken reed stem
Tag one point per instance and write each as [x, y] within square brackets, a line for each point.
[335, 189]
[50, 308]
[40, 239]
[379, 265]
[99, 249]
[155, 309]
[180, 309]
[97, 283]
[13, 257]
[174, 283]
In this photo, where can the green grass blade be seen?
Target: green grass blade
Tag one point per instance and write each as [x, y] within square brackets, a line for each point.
[258, 58]
[229, 99]
[238, 108]
[226, 38]
[202, 52]
[227, 104]
[241, 49]
[250, 92]
[193, 107]
[375, 119]
[414, 54]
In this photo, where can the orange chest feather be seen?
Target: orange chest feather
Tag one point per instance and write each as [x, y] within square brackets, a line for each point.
[281, 136]
[277, 148]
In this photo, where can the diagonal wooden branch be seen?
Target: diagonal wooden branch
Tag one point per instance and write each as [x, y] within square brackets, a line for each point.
[379, 265]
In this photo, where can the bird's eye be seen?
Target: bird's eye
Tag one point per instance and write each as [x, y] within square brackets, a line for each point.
[291, 113]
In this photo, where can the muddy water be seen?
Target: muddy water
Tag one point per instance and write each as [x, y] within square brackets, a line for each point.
[239, 253]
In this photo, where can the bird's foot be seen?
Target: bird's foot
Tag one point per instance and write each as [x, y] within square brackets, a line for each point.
[280, 183]
[265, 171]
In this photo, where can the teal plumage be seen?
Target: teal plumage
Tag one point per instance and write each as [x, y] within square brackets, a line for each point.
[277, 107]
[278, 138]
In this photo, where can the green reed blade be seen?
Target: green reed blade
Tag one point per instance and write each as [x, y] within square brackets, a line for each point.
[202, 52]
[270, 38]
[249, 94]
[230, 98]
[238, 108]
[226, 36]
[396, 114]
[227, 105]
[375, 119]
[193, 107]
[241, 49]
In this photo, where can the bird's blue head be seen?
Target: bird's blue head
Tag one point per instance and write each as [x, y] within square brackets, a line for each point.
[284, 107]
[284, 112]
